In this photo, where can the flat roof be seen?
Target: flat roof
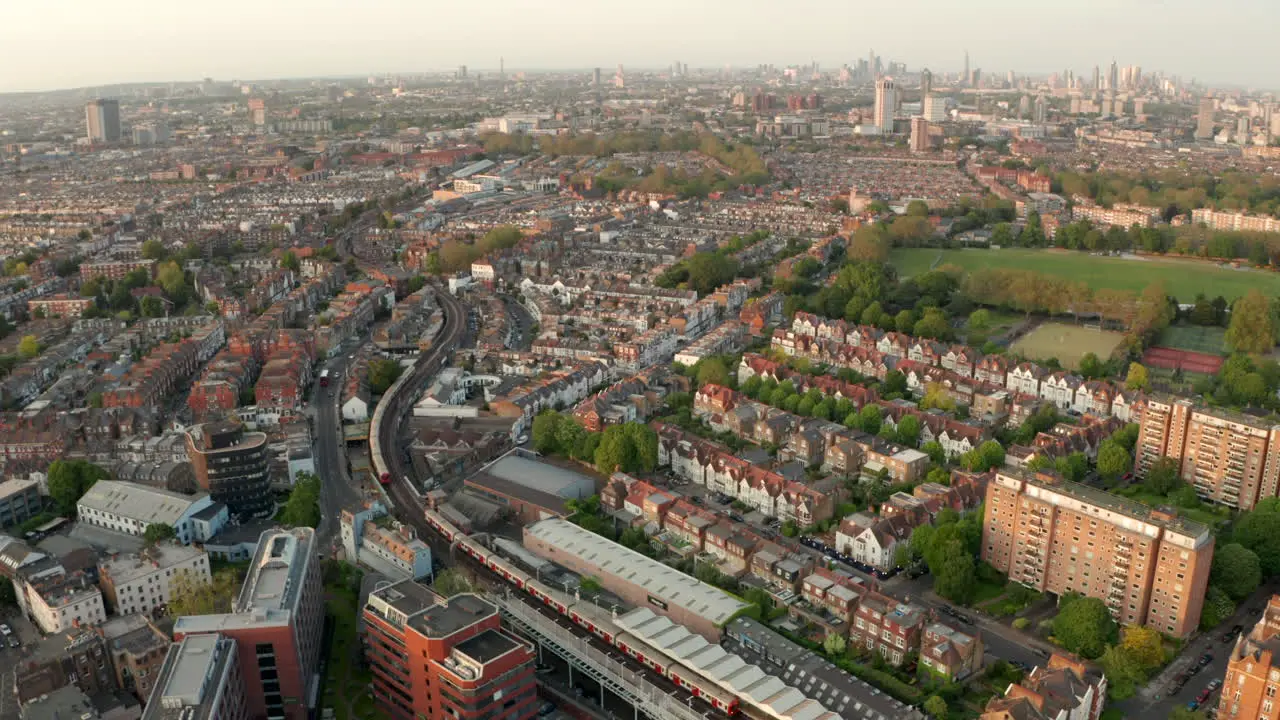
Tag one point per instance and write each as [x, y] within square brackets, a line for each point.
[188, 678]
[487, 646]
[452, 615]
[1112, 502]
[661, 581]
[543, 477]
[138, 502]
[127, 568]
[14, 486]
[271, 590]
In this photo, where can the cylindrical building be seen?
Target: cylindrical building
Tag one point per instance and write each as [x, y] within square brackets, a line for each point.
[231, 465]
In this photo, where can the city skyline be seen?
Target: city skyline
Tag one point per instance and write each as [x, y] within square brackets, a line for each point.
[182, 45]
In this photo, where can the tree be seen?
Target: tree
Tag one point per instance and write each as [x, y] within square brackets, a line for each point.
[1252, 328]
[708, 271]
[870, 418]
[546, 435]
[989, 454]
[909, 431]
[172, 280]
[1217, 607]
[69, 480]
[937, 454]
[1162, 478]
[834, 644]
[1090, 365]
[1084, 626]
[1259, 530]
[28, 347]
[451, 582]
[158, 532]
[712, 371]
[917, 208]
[936, 707]
[956, 577]
[1124, 672]
[1136, 378]
[383, 374]
[151, 306]
[190, 595]
[1073, 467]
[1143, 644]
[1236, 571]
[1113, 460]
[289, 261]
[980, 320]
[1033, 234]
[302, 509]
[153, 249]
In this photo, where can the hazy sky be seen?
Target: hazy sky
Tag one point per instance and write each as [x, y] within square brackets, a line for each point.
[47, 44]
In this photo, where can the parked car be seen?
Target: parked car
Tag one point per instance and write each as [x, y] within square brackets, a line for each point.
[1193, 706]
[1215, 685]
[1206, 658]
[1204, 696]
[13, 641]
[546, 709]
[4, 630]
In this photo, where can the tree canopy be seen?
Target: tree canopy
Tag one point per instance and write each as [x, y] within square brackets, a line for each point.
[69, 480]
[1253, 325]
[1236, 570]
[189, 595]
[1084, 626]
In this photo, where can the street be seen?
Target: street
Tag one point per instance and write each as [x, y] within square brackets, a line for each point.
[336, 491]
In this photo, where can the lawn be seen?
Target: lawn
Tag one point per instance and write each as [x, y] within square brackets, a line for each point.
[1195, 338]
[1067, 343]
[1183, 278]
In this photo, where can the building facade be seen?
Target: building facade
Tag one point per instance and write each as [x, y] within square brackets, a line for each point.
[232, 466]
[201, 679]
[1148, 565]
[141, 583]
[1252, 682]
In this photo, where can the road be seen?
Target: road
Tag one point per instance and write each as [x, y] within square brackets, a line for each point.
[336, 490]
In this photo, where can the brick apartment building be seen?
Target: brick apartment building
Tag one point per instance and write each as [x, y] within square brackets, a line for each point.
[888, 627]
[60, 306]
[1148, 565]
[275, 624]
[437, 658]
[1228, 457]
[1253, 671]
[116, 269]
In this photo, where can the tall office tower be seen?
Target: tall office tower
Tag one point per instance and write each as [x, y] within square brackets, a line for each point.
[1009, 79]
[200, 678]
[619, 79]
[1148, 565]
[886, 101]
[595, 77]
[1024, 106]
[1041, 110]
[1113, 75]
[1097, 78]
[934, 109]
[1135, 76]
[232, 466]
[1249, 688]
[276, 623]
[502, 68]
[462, 72]
[1228, 457]
[438, 658]
[1204, 120]
[102, 120]
[1242, 131]
[873, 63]
[920, 141]
[965, 78]
[976, 79]
[926, 83]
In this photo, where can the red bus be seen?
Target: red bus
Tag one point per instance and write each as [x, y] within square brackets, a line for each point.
[324, 378]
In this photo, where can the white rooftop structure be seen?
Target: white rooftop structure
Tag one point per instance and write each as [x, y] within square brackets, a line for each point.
[661, 581]
[764, 691]
[195, 675]
[130, 508]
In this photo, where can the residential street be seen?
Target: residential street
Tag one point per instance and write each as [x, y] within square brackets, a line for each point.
[336, 491]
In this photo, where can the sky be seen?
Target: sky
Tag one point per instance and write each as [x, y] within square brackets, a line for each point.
[54, 44]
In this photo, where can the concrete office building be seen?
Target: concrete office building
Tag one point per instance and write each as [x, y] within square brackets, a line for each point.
[1249, 690]
[201, 679]
[1148, 565]
[438, 658]
[276, 624]
[102, 121]
[232, 466]
[19, 501]
[1228, 457]
[130, 508]
[639, 580]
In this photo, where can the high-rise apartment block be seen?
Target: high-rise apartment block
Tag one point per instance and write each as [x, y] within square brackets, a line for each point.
[1251, 687]
[886, 101]
[1228, 457]
[438, 658]
[1148, 565]
[275, 625]
[920, 140]
[1204, 119]
[102, 121]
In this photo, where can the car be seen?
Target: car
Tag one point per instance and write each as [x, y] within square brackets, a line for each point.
[964, 619]
[735, 517]
[1193, 705]
[4, 630]
[1204, 696]
[1193, 670]
[546, 709]
[916, 572]
[1206, 658]
[1215, 685]
[1181, 678]
[13, 641]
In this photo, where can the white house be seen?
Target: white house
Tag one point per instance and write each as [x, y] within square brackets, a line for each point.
[140, 583]
[356, 408]
[131, 508]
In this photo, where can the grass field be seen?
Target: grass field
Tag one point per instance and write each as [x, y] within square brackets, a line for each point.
[1195, 338]
[1183, 278]
[1068, 343]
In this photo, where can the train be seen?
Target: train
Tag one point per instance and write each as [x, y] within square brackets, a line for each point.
[602, 627]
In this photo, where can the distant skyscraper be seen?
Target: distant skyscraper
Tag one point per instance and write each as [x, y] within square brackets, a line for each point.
[1204, 120]
[619, 80]
[1041, 109]
[935, 109]
[1097, 77]
[920, 135]
[926, 83]
[1113, 77]
[462, 72]
[102, 120]
[502, 68]
[886, 100]
[595, 77]
[873, 62]
[1024, 106]
[966, 67]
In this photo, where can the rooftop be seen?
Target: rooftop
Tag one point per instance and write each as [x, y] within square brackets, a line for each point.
[542, 477]
[662, 582]
[452, 615]
[127, 568]
[189, 678]
[487, 646]
[14, 486]
[138, 502]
